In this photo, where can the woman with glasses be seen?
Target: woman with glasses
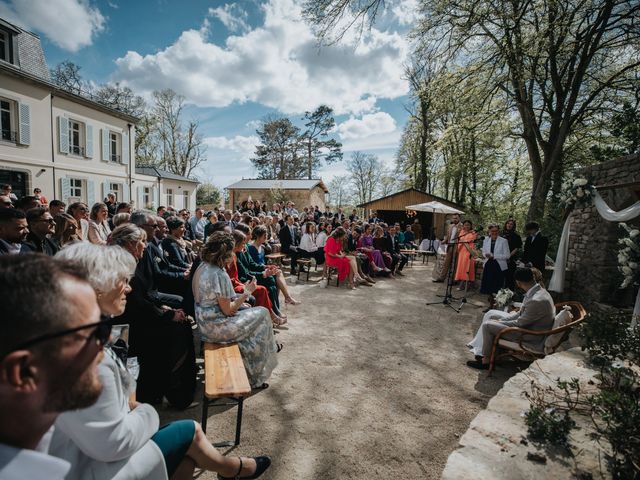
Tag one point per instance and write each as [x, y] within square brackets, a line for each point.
[66, 231]
[118, 437]
[99, 230]
[80, 212]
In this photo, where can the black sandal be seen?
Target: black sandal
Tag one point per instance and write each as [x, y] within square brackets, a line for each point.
[262, 463]
[279, 347]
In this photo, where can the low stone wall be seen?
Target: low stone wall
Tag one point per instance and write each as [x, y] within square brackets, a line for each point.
[496, 446]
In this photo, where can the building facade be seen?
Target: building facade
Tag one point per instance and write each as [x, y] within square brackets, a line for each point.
[304, 193]
[69, 146]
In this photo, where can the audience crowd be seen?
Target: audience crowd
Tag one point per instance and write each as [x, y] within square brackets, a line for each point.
[72, 273]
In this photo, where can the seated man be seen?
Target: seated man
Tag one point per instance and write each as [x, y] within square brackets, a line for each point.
[51, 343]
[537, 313]
[41, 227]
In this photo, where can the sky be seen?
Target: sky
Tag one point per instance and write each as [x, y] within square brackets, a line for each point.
[235, 63]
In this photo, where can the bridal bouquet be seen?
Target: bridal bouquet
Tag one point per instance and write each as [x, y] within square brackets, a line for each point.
[503, 297]
[579, 194]
[629, 256]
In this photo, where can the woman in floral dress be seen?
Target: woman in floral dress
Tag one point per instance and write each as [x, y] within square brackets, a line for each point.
[223, 316]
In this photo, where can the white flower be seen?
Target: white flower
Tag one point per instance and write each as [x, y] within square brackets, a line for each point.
[630, 243]
[627, 271]
[580, 192]
[626, 283]
[633, 265]
[634, 233]
[580, 182]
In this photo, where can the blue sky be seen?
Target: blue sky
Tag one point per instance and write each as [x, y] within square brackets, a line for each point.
[235, 62]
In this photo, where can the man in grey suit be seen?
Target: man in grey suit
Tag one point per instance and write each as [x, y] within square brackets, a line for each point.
[537, 313]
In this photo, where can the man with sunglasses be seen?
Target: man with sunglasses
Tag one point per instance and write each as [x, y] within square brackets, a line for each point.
[51, 341]
[13, 231]
[41, 226]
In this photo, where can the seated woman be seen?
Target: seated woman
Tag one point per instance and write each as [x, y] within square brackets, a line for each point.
[335, 257]
[380, 243]
[362, 266]
[66, 228]
[160, 334]
[257, 251]
[324, 230]
[365, 245]
[175, 247]
[308, 247]
[118, 437]
[220, 316]
[261, 292]
[99, 230]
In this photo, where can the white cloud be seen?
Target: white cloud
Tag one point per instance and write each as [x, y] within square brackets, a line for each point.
[70, 24]
[238, 144]
[405, 11]
[277, 64]
[366, 126]
[232, 17]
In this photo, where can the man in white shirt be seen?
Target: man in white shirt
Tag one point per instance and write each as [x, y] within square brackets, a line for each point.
[51, 342]
[197, 225]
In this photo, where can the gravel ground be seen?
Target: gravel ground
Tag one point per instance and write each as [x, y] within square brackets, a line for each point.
[371, 384]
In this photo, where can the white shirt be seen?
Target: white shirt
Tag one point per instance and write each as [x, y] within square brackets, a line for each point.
[308, 243]
[321, 240]
[21, 464]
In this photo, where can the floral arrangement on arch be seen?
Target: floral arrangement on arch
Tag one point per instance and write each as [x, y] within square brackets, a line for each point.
[629, 256]
[579, 194]
[503, 297]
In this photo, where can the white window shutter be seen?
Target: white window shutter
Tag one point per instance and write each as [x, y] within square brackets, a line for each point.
[24, 121]
[105, 188]
[63, 134]
[155, 198]
[88, 144]
[126, 196]
[125, 148]
[104, 136]
[140, 199]
[91, 193]
[66, 189]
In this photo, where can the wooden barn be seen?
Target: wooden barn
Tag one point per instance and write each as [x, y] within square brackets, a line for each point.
[392, 209]
[304, 193]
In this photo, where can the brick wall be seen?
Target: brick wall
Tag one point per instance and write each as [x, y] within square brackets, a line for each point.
[593, 243]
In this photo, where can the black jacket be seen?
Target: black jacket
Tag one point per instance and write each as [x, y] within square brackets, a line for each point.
[535, 251]
[174, 255]
[285, 238]
[34, 244]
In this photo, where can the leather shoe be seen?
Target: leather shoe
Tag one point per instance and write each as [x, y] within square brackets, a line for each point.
[477, 365]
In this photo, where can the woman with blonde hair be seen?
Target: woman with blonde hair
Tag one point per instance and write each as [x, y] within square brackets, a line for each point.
[80, 212]
[66, 230]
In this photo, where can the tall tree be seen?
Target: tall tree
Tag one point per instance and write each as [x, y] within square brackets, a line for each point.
[181, 148]
[317, 144]
[120, 98]
[208, 194]
[339, 193]
[366, 170]
[278, 154]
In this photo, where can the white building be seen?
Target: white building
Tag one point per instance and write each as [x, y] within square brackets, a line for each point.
[69, 146]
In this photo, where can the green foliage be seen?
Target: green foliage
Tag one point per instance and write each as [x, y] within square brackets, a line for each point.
[208, 194]
[546, 425]
[610, 337]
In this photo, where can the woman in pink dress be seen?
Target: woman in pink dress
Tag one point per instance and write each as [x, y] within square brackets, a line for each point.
[465, 270]
[335, 257]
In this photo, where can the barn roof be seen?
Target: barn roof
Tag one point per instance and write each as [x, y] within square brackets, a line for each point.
[410, 196]
[268, 184]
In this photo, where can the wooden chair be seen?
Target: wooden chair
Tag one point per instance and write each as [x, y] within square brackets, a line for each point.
[224, 378]
[330, 271]
[519, 348]
[304, 262]
[275, 258]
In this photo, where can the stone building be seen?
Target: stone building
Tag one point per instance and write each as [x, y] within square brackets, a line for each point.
[593, 276]
[304, 193]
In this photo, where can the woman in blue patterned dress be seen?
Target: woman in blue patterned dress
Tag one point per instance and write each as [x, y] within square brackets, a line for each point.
[224, 317]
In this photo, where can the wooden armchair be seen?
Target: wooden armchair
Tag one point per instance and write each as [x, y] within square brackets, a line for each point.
[517, 347]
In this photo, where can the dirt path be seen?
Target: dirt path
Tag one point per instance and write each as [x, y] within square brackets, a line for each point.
[371, 384]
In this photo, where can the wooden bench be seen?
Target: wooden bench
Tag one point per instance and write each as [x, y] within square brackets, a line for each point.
[224, 378]
[275, 258]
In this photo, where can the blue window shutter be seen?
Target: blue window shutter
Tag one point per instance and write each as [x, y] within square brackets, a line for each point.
[155, 197]
[125, 148]
[66, 189]
[88, 144]
[104, 136]
[24, 121]
[63, 134]
[105, 189]
[126, 196]
[140, 199]
[91, 193]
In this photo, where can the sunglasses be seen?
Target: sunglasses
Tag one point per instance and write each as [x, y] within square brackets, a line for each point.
[100, 334]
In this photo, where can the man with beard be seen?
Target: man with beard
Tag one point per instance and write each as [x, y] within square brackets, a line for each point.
[51, 342]
[41, 227]
[13, 231]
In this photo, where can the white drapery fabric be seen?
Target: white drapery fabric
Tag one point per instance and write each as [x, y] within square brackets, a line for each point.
[557, 280]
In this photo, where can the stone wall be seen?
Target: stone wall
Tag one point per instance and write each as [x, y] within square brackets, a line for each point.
[593, 243]
[302, 198]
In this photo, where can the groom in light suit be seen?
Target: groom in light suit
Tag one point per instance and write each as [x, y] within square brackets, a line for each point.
[537, 313]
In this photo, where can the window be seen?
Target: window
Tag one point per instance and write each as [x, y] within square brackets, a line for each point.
[7, 124]
[146, 197]
[76, 137]
[186, 200]
[76, 188]
[5, 46]
[114, 147]
[169, 197]
[115, 188]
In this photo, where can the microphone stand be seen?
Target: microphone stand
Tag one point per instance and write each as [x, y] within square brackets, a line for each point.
[448, 294]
